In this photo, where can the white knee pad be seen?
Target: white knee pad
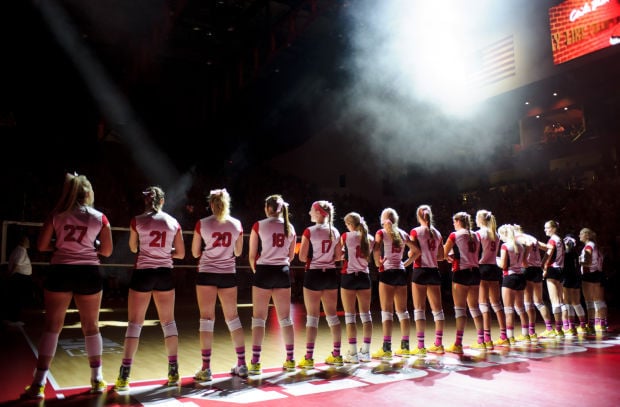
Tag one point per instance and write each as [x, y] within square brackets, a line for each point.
[366, 317]
[94, 345]
[258, 323]
[540, 305]
[234, 324]
[459, 312]
[475, 312]
[579, 310]
[285, 322]
[496, 307]
[170, 329]
[349, 318]
[590, 305]
[565, 307]
[439, 315]
[484, 307]
[312, 321]
[519, 310]
[48, 344]
[386, 316]
[206, 325]
[509, 310]
[133, 330]
[599, 305]
[527, 306]
[332, 320]
[419, 314]
[402, 315]
[556, 308]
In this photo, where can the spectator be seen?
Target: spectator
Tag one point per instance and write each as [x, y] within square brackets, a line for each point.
[20, 285]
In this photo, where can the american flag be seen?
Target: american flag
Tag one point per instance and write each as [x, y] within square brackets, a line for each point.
[493, 63]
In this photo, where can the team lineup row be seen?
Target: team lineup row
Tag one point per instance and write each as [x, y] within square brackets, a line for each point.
[499, 269]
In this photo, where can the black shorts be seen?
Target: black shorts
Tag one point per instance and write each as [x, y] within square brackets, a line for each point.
[322, 279]
[469, 277]
[157, 279]
[355, 281]
[571, 280]
[533, 274]
[397, 277]
[554, 273]
[269, 276]
[426, 276]
[593, 277]
[490, 272]
[85, 280]
[220, 280]
[514, 281]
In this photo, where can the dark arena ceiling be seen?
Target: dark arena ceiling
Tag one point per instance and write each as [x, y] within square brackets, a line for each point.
[193, 74]
[203, 70]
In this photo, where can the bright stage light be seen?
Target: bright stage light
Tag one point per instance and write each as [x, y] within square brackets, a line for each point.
[428, 51]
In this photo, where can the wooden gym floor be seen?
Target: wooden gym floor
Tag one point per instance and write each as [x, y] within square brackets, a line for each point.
[569, 372]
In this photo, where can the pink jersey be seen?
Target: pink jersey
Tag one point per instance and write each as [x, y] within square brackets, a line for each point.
[76, 232]
[597, 259]
[428, 243]
[356, 262]
[533, 258]
[274, 244]
[322, 246]
[558, 253]
[392, 255]
[219, 238]
[515, 260]
[156, 232]
[466, 249]
[489, 247]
